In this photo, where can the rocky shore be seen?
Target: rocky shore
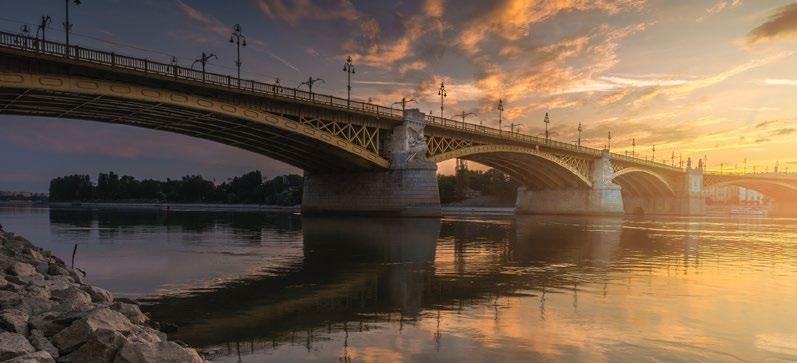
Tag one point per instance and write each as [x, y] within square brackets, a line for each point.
[49, 313]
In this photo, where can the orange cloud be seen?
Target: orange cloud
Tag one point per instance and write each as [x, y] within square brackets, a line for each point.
[781, 24]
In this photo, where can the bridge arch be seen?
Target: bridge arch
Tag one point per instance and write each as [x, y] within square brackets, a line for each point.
[640, 182]
[535, 169]
[774, 189]
[160, 108]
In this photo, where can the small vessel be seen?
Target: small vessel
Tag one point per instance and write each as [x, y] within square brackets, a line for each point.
[749, 211]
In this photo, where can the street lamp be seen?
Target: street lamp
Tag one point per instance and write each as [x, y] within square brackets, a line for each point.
[442, 93]
[67, 25]
[404, 101]
[633, 147]
[672, 158]
[348, 67]
[610, 142]
[43, 26]
[579, 134]
[466, 114]
[203, 60]
[239, 40]
[310, 82]
[500, 113]
[547, 121]
[654, 153]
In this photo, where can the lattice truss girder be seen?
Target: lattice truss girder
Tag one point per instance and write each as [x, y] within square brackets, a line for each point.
[442, 144]
[364, 136]
[583, 166]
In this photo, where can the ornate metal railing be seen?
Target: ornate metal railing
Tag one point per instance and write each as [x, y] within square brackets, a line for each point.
[146, 66]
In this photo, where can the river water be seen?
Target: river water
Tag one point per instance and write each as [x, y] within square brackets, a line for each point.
[257, 287]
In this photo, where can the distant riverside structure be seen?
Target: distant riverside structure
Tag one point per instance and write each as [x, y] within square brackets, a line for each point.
[358, 157]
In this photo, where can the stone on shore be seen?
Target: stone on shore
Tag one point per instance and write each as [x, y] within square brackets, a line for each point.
[13, 345]
[48, 312]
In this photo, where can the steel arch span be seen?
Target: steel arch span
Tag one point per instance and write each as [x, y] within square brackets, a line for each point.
[533, 168]
[640, 182]
[307, 143]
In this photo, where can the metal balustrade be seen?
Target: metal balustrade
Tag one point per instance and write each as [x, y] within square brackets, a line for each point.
[113, 60]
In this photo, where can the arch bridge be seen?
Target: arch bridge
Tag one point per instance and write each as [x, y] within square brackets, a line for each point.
[358, 157]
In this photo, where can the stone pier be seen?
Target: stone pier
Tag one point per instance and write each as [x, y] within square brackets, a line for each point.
[688, 199]
[603, 198]
[408, 188]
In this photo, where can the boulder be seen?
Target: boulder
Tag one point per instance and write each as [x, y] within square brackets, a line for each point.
[35, 357]
[14, 320]
[136, 352]
[17, 244]
[131, 311]
[38, 291]
[99, 347]
[40, 342]
[56, 269]
[21, 269]
[35, 305]
[78, 276]
[13, 345]
[92, 324]
[71, 294]
[98, 295]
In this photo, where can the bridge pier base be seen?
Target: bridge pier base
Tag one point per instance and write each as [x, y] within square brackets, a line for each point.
[602, 201]
[408, 188]
[410, 192]
[602, 198]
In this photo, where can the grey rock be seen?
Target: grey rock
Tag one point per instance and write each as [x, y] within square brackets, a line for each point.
[38, 291]
[100, 347]
[98, 294]
[56, 269]
[84, 329]
[9, 299]
[71, 294]
[13, 345]
[40, 342]
[136, 352]
[78, 275]
[35, 357]
[21, 269]
[131, 311]
[17, 243]
[14, 320]
[35, 305]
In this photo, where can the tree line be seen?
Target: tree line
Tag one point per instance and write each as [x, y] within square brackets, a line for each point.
[455, 188]
[249, 188]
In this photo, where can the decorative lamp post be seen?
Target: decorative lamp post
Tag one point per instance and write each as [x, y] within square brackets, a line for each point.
[348, 67]
[442, 93]
[239, 40]
[67, 25]
[203, 61]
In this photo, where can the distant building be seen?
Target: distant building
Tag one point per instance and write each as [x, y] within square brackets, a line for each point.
[734, 195]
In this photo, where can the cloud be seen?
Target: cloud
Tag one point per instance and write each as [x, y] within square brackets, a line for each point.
[511, 19]
[781, 82]
[295, 11]
[207, 21]
[433, 8]
[785, 131]
[756, 109]
[686, 88]
[781, 24]
[718, 7]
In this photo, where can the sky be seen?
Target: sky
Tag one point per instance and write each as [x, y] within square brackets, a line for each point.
[712, 79]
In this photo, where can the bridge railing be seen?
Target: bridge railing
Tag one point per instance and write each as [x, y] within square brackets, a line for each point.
[113, 60]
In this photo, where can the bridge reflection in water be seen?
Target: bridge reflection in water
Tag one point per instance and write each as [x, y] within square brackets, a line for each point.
[360, 275]
[452, 289]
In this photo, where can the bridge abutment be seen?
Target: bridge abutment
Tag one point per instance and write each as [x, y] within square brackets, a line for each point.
[408, 188]
[603, 197]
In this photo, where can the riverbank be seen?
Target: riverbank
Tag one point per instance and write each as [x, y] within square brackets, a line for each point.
[210, 207]
[50, 313]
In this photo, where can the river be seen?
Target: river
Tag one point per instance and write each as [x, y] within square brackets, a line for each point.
[251, 286]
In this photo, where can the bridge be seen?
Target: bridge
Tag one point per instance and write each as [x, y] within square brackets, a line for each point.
[358, 157]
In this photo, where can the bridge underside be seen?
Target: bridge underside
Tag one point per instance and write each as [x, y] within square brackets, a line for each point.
[292, 147]
[533, 172]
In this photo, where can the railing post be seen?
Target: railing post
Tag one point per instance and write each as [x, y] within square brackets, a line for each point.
[146, 65]
[77, 53]
[228, 82]
[113, 60]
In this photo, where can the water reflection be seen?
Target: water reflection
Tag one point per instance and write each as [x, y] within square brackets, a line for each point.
[254, 287]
